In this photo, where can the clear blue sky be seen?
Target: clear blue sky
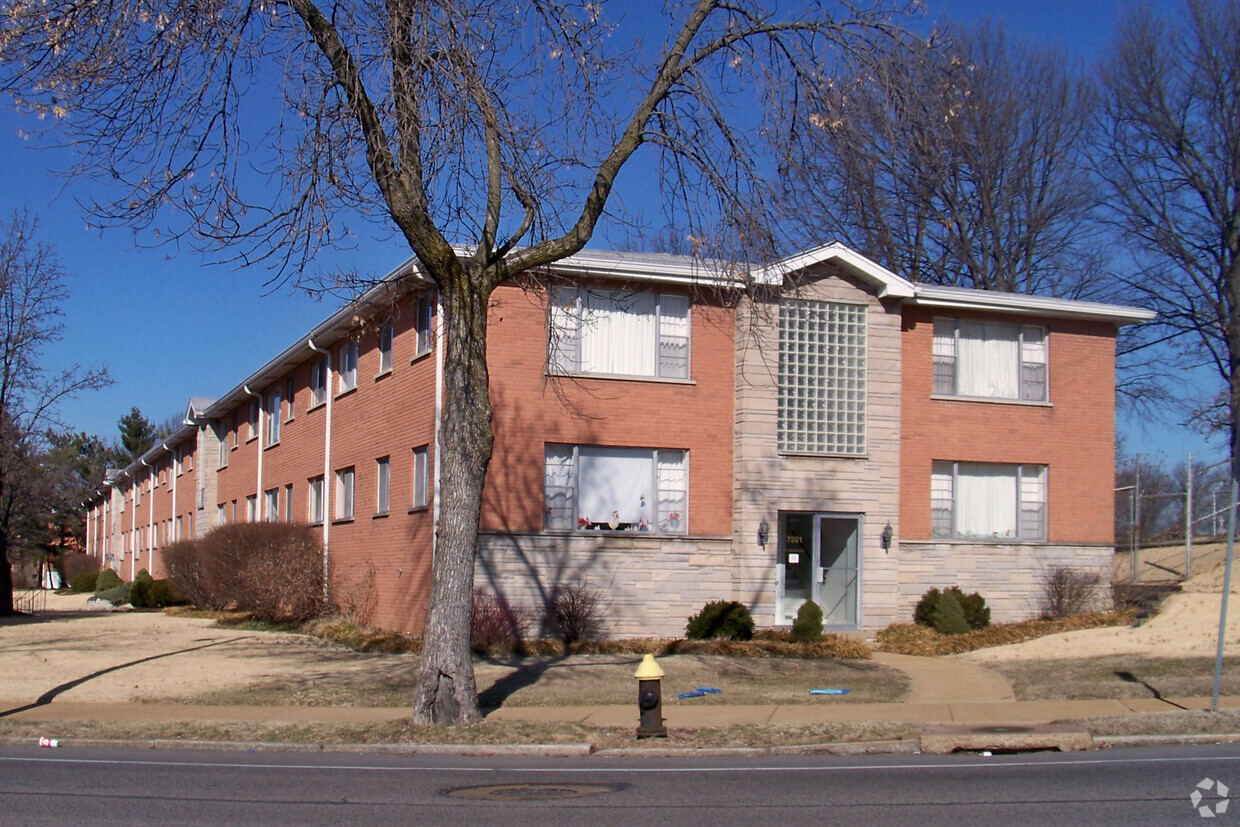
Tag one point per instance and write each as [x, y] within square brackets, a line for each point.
[170, 327]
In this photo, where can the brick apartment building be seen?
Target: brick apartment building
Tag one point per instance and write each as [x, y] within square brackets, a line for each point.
[668, 434]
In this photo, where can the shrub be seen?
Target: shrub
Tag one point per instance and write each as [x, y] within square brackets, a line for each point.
[116, 596]
[949, 616]
[976, 612]
[495, 627]
[84, 582]
[143, 576]
[137, 593]
[1067, 592]
[272, 570]
[160, 594]
[721, 619]
[575, 613]
[106, 580]
[807, 628]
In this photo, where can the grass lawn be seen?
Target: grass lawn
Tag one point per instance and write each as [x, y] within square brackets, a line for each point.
[585, 679]
[1117, 676]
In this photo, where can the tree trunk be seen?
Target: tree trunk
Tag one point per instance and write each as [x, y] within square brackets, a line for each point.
[446, 693]
[6, 580]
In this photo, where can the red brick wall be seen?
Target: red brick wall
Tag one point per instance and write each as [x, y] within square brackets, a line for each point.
[531, 409]
[1074, 437]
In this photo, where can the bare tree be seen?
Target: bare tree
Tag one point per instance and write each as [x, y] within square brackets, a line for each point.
[497, 125]
[32, 290]
[1171, 159]
[959, 162]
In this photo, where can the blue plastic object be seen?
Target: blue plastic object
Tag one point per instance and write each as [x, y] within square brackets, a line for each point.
[709, 690]
[828, 691]
[684, 695]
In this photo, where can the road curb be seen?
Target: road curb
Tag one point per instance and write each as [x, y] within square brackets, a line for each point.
[905, 746]
[1116, 741]
[473, 750]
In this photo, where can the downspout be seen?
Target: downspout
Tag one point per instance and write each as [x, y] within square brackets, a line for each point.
[176, 466]
[258, 517]
[327, 458]
[438, 424]
[134, 490]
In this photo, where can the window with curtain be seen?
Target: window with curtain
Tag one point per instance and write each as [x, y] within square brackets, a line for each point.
[422, 325]
[598, 488]
[822, 377]
[318, 382]
[385, 346]
[989, 360]
[616, 333]
[314, 500]
[988, 501]
[348, 366]
[274, 402]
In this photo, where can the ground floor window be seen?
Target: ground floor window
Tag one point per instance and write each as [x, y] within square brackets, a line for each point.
[604, 488]
[988, 501]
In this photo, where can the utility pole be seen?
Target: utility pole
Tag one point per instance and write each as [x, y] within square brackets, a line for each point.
[1188, 521]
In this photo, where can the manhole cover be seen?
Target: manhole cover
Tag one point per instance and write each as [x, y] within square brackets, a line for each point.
[1000, 730]
[529, 792]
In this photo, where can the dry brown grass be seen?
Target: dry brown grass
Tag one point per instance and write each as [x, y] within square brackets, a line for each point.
[1117, 676]
[911, 639]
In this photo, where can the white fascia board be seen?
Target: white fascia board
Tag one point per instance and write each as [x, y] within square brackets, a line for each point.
[327, 332]
[887, 283]
[959, 298]
[635, 268]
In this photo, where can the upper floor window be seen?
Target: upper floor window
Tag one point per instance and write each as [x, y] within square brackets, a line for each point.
[348, 366]
[318, 382]
[989, 360]
[615, 333]
[290, 393]
[422, 325]
[590, 487]
[822, 377]
[385, 346]
[314, 500]
[421, 479]
[383, 487]
[253, 420]
[988, 501]
[274, 402]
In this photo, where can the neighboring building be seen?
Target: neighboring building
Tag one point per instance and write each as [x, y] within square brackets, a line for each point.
[667, 434]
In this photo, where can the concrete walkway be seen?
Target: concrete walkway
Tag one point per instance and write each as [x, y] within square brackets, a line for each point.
[948, 680]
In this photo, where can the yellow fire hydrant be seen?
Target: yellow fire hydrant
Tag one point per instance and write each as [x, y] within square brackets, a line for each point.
[650, 699]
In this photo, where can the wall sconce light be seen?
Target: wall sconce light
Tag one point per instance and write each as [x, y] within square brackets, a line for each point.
[885, 537]
[764, 532]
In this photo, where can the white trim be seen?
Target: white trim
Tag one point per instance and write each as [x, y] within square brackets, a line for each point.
[888, 284]
[960, 298]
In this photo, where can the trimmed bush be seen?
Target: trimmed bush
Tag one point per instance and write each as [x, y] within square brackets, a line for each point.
[949, 616]
[807, 628]
[157, 594]
[575, 613]
[976, 612]
[137, 593]
[726, 619]
[274, 571]
[84, 582]
[107, 580]
[143, 576]
[116, 596]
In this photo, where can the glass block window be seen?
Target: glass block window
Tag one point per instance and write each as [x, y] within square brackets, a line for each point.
[822, 377]
[989, 360]
[988, 501]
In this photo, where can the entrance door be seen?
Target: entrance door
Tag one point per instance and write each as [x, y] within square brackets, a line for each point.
[819, 560]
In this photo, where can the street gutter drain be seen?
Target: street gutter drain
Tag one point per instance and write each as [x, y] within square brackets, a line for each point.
[530, 792]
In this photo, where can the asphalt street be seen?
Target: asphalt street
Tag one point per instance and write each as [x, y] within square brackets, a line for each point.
[140, 787]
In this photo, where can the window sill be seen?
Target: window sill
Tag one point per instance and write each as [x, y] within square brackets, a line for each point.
[418, 509]
[608, 532]
[251, 439]
[347, 391]
[984, 541]
[614, 377]
[342, 520]
[990, 400]
[316, 406]
[315, 523]
[418, 357]
[383, 374]
[379, 515]
[811, 455]
[271, 445]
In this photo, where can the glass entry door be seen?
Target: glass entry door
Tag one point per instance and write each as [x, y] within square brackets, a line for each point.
[819, 560]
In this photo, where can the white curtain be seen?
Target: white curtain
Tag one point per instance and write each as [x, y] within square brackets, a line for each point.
[989, 360]
[985, 500]
[618, 334]
[613, 482]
